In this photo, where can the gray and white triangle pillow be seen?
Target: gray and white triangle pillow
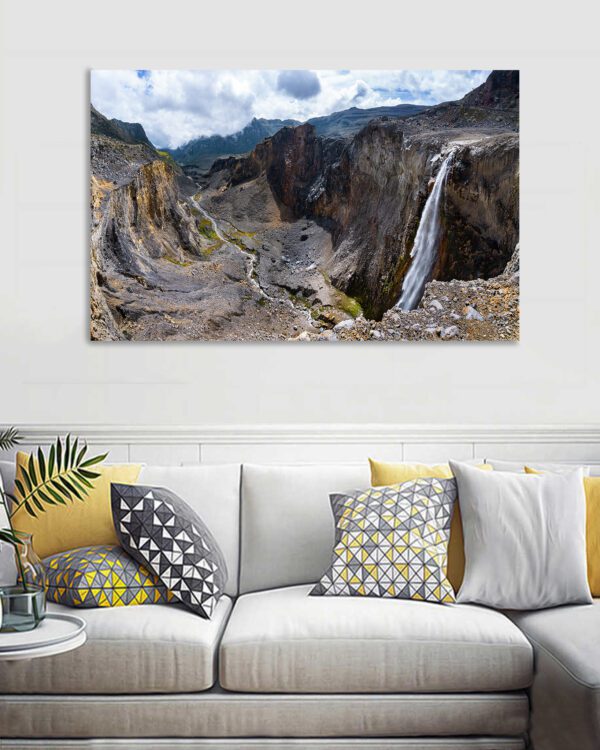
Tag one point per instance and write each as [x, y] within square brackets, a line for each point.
[159, 530]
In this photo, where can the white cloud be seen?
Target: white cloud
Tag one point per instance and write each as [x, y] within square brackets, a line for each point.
[175, 106]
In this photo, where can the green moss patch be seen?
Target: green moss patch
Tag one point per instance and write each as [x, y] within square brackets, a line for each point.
[208, 251]
[183, 263]
[349, 305]
[166, 156]
[205, 228]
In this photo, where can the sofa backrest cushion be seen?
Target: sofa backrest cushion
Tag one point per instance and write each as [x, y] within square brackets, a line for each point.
[7, 475]
[518, 467]
[287, 525]
[213, 491]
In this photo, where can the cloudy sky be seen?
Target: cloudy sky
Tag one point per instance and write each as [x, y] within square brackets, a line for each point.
[175, 106]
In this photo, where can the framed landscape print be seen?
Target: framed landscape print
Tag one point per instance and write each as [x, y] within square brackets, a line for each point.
[304, 205]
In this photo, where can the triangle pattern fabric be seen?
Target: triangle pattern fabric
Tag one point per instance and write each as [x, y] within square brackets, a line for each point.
[101, 576]
[161, 531]
[392, 542]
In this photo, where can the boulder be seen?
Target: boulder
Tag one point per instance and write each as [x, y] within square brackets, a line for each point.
[451, 332]
[472, 314]
[345, 325]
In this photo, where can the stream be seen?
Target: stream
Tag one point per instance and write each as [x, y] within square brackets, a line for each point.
[251, 270]
[250, 257]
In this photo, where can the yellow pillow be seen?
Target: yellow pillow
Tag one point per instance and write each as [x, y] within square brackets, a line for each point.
[383, 474]
[76, 524]
[592, 530]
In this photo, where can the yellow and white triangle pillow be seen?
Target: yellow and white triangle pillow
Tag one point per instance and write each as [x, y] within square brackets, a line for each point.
[392, 542]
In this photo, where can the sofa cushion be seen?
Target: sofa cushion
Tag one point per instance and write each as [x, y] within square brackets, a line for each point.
[213, 492]
[149, 649]
[565, 697]
[287, 526]
[284, 641]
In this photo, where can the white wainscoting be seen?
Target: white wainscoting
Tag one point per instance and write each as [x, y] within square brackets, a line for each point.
[325, 443]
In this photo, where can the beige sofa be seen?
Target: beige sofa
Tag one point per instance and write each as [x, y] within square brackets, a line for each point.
[276, 668]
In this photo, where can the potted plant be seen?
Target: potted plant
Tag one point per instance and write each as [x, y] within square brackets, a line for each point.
[62, 475]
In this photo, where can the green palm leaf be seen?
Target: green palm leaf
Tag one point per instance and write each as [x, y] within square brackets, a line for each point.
[9, 438]
[51, 460]
[42, 464]
[60, 478]
[67, 454]
[32, 473]
[8, 535]
[59, 452]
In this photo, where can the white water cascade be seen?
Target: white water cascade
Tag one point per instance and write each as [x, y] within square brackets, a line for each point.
[426, 245]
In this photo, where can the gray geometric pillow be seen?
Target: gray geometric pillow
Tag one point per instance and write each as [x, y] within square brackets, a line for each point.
[392, 542]
[161, 531]
[101, 576]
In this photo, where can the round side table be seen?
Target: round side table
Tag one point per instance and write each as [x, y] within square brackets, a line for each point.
[56, 634]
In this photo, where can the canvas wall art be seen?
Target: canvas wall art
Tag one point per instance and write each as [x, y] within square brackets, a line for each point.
[303, 205]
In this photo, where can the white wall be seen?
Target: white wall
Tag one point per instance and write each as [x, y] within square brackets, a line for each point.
[50, 372]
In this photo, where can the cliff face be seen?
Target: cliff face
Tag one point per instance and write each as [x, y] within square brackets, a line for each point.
[499, 91]
[143, 219]
[293, 160]
[146, 218]
[373, 196]
[161, 268]
[480, 213]
[370, 194]
[137, 218]
[391, 174]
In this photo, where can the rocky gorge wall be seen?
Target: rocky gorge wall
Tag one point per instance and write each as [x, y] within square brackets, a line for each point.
[480, 213]
[369, 192]
[136, 219]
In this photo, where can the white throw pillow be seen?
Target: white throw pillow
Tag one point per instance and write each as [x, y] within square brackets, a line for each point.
[524, 537]
[519, 466]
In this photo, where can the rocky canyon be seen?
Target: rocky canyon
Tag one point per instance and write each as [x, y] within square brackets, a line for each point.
[307, 231]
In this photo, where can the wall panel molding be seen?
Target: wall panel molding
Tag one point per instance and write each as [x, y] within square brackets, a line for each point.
[316, 434]
[310, 443]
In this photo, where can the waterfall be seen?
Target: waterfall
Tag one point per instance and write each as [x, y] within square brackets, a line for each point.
[426, 245]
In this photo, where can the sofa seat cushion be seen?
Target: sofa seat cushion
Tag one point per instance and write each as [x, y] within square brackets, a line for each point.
[139, 649]
[284, 641]
[565, 697]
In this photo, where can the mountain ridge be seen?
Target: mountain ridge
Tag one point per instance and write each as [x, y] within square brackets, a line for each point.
[127, 132]
[348, 122]
[202, 151]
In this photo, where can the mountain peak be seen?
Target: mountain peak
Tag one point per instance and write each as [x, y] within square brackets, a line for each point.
[500, 90]
[128, 132]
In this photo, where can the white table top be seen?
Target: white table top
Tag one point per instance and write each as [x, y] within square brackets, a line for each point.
[56, 634]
